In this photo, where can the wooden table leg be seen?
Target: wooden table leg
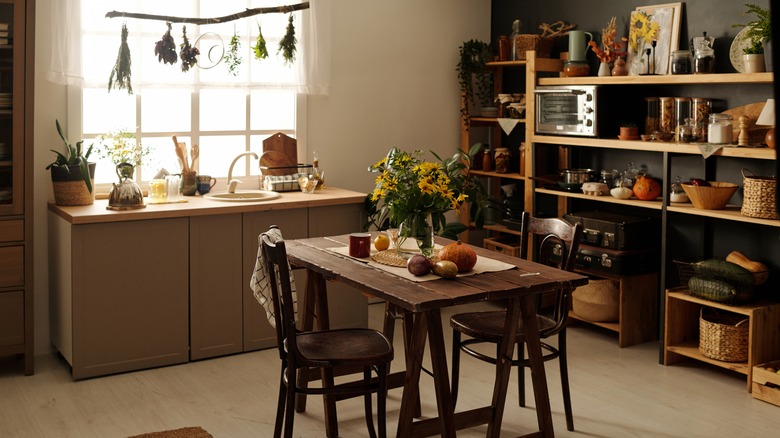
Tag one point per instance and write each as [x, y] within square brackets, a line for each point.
[441, 377]
[414, 357]
[538, 377]
[504, 366]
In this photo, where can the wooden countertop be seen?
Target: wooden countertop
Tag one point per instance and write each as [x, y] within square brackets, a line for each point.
[198, 206]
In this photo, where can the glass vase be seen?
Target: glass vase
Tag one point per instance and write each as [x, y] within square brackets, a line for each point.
[418, 227]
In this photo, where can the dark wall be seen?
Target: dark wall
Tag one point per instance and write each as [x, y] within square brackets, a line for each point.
[688, 234]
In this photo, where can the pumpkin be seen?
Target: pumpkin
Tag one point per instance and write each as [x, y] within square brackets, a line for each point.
[646, 188]
[459, 253]
[759, 270]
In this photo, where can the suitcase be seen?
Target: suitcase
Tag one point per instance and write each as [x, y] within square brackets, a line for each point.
[612, 262]
[616, 231]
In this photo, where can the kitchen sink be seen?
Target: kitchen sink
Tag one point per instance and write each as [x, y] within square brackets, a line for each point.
[243, 196]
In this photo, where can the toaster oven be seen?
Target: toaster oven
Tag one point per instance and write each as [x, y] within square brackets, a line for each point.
[567, 110]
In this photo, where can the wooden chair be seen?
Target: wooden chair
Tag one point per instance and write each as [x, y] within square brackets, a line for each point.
[555, 237]
[325, 349]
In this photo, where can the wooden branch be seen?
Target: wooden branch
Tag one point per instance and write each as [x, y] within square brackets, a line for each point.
[216, 20]
[557, 29]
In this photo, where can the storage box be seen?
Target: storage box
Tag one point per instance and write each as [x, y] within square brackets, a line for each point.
[766, 383]
[616, 231]
[509, 245]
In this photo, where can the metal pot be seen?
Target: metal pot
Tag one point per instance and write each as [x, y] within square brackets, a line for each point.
[577, 176]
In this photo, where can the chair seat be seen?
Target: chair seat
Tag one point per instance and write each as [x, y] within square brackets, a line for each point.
[362, 347]
[489, 326]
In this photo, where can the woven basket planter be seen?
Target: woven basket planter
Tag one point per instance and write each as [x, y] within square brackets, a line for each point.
[759, 196]
[723, 336]
[69, 186]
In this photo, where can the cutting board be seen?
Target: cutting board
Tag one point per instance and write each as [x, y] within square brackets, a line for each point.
[276, 163]
[282, 143]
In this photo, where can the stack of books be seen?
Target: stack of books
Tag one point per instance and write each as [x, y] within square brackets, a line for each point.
[4, 37]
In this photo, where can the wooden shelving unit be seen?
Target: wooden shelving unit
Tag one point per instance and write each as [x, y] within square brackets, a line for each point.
[681, 331]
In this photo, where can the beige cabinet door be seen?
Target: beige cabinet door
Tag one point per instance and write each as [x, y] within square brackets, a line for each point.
[130, 295]
[216, 283]
[258, 333]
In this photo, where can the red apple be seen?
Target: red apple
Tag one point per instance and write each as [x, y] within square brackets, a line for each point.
[699, 182]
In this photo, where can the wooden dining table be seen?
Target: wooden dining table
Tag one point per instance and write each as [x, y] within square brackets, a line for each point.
[423, 302]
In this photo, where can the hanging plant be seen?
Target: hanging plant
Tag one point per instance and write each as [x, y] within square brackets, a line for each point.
[288, 42]
[120, 74]
[233, 57]
[165, 49]
[188, 53]
[261, 52]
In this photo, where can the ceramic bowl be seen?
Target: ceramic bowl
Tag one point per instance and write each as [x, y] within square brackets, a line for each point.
[621, 192]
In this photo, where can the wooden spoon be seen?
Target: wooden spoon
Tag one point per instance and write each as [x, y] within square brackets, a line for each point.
[194, 154]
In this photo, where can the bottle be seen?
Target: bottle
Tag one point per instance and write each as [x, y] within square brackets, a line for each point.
[514, 41]
[487, 160]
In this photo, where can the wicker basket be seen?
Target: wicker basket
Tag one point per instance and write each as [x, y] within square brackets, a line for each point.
[723, 336]
[759, 196]
[598, 301]
[525, 42]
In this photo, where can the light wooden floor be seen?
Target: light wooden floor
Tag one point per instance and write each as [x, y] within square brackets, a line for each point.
[615, 393]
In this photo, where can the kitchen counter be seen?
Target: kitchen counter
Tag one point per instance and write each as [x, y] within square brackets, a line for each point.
[169, 283]
[200, 206]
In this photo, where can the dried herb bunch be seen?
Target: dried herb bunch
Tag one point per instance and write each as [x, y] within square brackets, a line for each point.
[233, 57]
[610, 46]
[165, 49]
[288, 42]
[120, 74]
[261, 51]
[188, 54]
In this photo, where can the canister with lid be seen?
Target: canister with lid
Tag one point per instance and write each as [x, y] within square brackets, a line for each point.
[666, 121]
[502, 158]
[700, 113]
[651, 118]
[681, 62]
[720, 130]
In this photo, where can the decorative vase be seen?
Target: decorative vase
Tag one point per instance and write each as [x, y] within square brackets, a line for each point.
[620, 69]
[604, 69]
[418, 227]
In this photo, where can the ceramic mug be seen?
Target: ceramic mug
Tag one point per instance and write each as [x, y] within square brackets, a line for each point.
[359, 245]
[205, 183]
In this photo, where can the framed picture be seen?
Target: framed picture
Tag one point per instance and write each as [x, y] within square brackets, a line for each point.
[654, 32]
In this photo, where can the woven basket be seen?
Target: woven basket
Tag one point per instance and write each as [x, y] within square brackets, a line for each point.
[525, 42]
[759, 196]
[723, 336]
[597, 301]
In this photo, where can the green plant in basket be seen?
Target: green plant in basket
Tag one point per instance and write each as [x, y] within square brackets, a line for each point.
[73, 156]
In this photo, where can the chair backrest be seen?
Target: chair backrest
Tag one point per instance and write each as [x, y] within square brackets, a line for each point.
[275, 260]
[557, 245]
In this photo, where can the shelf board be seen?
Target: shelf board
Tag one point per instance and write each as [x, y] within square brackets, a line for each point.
[731, 213]
[613, 326]
[511, 175]
[506, 64]
[654, 146]
[655, 205]
[742, 309]
[717, 78]
[691, 349]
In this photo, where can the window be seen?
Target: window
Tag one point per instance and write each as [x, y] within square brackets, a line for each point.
[224, 114]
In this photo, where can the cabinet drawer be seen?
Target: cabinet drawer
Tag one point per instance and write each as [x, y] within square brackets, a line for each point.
[11, 318]
[11, 231]
[12, 266]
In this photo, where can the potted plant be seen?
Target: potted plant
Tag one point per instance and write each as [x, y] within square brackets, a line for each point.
[472, 69]
[628, 131]
[72, 173]
[759, 35]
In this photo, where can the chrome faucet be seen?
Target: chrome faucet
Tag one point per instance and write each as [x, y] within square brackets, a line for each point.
[232, 183]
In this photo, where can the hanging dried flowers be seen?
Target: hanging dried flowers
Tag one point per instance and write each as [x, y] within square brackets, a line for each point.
[287, 44]
[261, 52]
[121, 70]
[233, 57]
[165, 49]
[188, 54]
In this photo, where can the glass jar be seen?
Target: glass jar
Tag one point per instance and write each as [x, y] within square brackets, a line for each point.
[651, 118]
[608, 177]
[685, 131]
[681, 62]
[704, 60]
[666, 119]
[700, 113]
[682, 110]
[503, 48]
[502, 158]
[676, 192]
[719, 130]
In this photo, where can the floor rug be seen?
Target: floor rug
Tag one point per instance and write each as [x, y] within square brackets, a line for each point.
[186, 432]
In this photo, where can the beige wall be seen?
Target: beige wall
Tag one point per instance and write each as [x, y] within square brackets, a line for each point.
[393, 83]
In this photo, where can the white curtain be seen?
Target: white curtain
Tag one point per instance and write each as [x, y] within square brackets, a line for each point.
[313, 56]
